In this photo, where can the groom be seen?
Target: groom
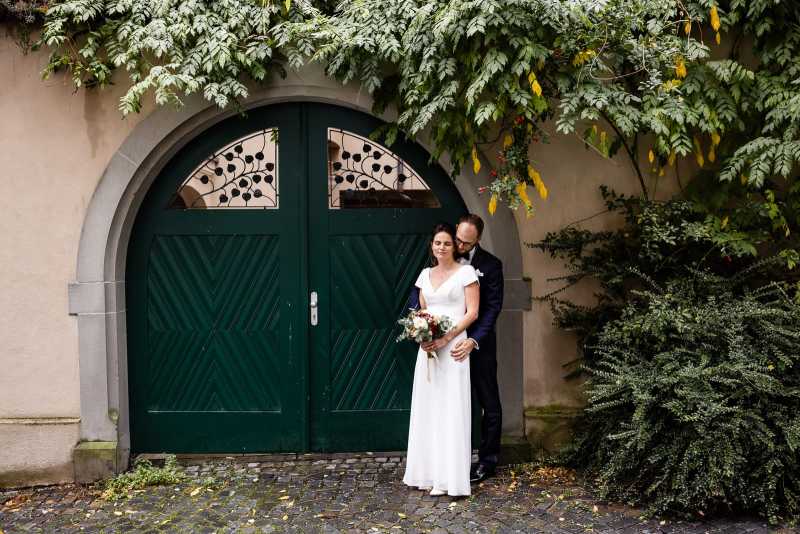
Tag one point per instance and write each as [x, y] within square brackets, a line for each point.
[481, 343]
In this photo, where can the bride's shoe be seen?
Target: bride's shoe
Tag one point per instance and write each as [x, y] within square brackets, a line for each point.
[436, 492]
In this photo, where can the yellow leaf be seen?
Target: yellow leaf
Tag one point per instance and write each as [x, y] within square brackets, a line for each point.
[522, 191]
[285, 517]
[492, 204]
[687, 28]
[284, 498]
[671, 159]
[661, 171]
[288, 4]
[669, 85]
[536, 88]
[680, 68]
[583, 57]
[715, 138]
[744, 179]
[508, 141]
[650, 156]
[537, 182]
[698, 152]
[714, 19]
[401, 515]
[476, 163]
[194, 492]
[540, 64]
[717, 38]
[712, 155]
[724, 222]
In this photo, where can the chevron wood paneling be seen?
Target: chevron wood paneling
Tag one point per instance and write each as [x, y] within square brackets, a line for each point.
[371, 276]
[213, 317]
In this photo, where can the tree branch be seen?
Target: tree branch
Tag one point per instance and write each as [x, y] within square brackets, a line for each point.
[631, 155]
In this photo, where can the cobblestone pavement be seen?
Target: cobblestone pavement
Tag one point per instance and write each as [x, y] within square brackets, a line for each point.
[309, 493]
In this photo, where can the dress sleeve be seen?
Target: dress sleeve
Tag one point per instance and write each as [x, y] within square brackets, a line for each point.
[421, 277]
[468, 275]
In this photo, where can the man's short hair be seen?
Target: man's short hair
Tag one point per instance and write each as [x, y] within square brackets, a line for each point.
[474, 220]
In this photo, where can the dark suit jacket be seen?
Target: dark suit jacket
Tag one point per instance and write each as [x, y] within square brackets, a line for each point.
[490, 277]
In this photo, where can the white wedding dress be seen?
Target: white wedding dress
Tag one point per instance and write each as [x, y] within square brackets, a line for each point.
[439, 448]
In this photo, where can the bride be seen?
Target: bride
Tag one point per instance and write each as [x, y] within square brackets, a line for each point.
[439, 448]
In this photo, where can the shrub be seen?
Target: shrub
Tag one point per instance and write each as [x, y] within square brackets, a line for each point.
[144, 474]
[694, 398]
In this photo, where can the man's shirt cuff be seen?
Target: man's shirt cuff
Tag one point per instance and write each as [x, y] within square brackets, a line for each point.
[477, 347]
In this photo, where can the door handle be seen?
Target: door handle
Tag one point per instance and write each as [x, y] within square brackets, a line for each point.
[314, 307]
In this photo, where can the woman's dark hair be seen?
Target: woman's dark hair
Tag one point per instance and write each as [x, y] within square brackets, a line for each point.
[448, 229]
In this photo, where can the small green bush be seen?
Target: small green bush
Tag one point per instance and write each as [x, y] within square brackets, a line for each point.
[694, 398]
[144, 474]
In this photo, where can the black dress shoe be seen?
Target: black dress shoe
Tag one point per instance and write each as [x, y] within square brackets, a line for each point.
[481, 473]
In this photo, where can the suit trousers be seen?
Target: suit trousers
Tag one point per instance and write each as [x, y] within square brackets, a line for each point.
[483, 376]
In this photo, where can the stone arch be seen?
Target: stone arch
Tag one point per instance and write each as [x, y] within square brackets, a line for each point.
[97, 296]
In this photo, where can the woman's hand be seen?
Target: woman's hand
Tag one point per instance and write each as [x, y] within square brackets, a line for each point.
[436, 344]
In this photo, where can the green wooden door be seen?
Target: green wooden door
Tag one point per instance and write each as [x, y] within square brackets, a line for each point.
[233, 237]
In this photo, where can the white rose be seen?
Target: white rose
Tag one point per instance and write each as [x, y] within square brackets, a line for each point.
[420, 323]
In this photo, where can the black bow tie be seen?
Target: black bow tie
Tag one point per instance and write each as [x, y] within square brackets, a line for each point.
[462, 256]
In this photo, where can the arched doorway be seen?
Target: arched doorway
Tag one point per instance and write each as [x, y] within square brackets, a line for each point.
[266, 269]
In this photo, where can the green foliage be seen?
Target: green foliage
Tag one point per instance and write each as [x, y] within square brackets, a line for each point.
[467, 70]
[691, 357]
[22, 12]
[694, 398]
[662, 238]
[144, 474]
[168, 49]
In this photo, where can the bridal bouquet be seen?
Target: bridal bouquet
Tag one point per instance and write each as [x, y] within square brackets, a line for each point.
[420, 326]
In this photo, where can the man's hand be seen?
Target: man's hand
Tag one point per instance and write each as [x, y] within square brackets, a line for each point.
[462, 349]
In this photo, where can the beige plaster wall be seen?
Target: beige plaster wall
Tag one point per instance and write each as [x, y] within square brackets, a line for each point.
[573, 175]
[55, 145]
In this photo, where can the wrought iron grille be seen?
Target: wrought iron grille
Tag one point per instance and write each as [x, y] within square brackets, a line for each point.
[244, 174]
[364, 174]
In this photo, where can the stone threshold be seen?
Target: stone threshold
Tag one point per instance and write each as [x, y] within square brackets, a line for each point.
[194, 458]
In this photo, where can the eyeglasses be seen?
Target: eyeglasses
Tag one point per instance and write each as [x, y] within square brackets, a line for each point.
[463, 243]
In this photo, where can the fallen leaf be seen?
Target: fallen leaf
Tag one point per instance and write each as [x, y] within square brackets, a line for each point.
[117, 512]
[452, 504]
[285, 517]
[400, 514]
[284, 498]
[194, 492]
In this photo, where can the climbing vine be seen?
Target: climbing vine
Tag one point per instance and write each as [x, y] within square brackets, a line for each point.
[713, 81]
